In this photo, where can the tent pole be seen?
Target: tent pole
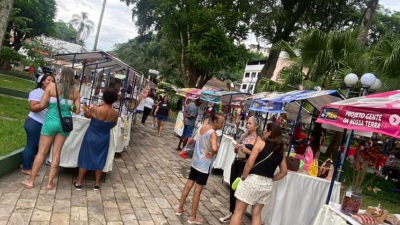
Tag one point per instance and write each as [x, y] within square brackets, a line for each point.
[73, 61]
[343, 161]
[82, 75]
[91, 88]
[266, 120]
[122, 101]
[295, 127]
[312, 122]
[328, 199]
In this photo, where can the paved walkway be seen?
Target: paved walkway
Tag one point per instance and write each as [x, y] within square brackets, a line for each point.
[143, 188]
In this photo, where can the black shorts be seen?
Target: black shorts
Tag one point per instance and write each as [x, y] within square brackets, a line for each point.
[199, 177]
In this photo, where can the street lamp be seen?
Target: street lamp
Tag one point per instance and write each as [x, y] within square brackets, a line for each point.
[350, 80]
[367, 80]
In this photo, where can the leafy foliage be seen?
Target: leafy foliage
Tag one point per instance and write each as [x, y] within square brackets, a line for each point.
[82, 24]
[30, 18]
[65, 31]
[205, 35]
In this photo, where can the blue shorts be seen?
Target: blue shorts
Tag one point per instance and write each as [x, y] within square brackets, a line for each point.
[162, 118]
[188, 130]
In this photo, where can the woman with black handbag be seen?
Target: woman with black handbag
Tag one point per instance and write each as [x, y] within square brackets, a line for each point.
[256, 183]
[59, 98]
[243, 151]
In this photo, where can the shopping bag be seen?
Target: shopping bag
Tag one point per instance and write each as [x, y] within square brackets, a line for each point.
[189, 148]
[179, 125]
[313, 170]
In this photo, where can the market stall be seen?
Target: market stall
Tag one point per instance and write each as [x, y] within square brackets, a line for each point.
[96, 67]
[297, 198]
[376, 113]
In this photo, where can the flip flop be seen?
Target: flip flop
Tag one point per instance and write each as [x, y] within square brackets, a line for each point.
[25, 185]
[180, 213]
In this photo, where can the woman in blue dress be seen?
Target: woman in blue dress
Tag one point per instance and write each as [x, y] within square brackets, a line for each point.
[94, 149]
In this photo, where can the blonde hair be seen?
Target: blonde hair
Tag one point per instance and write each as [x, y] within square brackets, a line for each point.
[67, 82]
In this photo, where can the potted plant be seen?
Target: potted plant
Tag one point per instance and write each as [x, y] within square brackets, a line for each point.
[352, 199]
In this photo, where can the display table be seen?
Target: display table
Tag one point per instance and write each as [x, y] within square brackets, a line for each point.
[297, 198]
[70, 151]
[331, 215]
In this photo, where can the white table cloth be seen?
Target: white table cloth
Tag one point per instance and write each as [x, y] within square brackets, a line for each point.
[297, 198]
[70, 151]
[328, 217]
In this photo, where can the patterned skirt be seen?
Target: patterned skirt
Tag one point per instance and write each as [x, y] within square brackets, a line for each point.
[255, 189]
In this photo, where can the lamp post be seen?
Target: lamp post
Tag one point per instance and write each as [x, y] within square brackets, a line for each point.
[368, 81]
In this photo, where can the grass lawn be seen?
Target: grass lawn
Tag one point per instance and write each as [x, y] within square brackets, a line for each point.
[16, 83]
[389, 200]
[12, 117]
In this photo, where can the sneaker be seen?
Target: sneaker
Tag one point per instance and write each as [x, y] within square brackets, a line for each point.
[226, 219]
[77, 187]
[195, 221]
[48, 163]
[96, 187]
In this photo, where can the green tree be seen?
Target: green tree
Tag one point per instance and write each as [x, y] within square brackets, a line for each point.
[5, 12]
[82, 24]
[205, 35]
[278, 20]
[30, 19]
[65, 32]
[150, 52]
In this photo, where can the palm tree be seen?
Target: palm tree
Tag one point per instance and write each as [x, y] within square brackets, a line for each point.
[82, 24]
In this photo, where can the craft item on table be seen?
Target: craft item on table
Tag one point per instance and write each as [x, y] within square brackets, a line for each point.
[364, 219]
[377, 212]
[308, 158]
[293, 164]
[313, 170]
[301, 157]
[392, 219]
[326, 170]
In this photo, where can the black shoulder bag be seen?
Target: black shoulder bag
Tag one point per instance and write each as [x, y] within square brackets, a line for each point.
[66, 122]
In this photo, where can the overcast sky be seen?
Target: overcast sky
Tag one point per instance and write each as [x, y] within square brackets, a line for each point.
[118, 26]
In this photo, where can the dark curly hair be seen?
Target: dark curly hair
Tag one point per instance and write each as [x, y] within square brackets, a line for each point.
[110, 96]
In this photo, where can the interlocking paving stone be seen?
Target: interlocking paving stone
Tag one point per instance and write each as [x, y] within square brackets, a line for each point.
[144, 188]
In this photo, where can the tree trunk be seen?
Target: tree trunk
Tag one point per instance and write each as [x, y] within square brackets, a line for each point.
[367, 19]
[269, 67]
[99, 26]
[5, 12]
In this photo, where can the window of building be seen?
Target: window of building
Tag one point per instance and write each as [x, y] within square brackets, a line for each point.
[251, 88]
[244, 86]
[247, 75]
[253, 74]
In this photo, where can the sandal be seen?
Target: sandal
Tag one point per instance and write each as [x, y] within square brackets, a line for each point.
[195, 221]
[180, 213]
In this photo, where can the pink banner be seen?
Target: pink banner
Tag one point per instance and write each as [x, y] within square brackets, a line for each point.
[379, 113]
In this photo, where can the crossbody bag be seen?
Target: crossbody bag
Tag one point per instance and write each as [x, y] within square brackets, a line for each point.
[66, 122]
[236, 182]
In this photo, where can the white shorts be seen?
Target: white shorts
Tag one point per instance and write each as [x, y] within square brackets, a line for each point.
[255, 189]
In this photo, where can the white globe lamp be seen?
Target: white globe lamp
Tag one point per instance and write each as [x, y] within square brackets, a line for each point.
[351, 79]
[376, 85]
[368, 79]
